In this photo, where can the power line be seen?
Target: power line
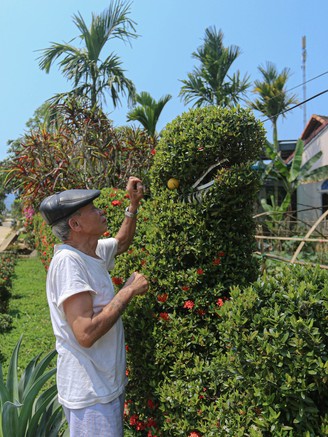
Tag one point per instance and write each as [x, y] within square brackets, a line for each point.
[299, 104]
[310, 80]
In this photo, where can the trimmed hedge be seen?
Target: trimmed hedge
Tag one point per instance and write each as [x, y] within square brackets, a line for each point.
[192, 247]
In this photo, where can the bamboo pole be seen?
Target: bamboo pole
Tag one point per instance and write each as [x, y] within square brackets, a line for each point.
[280, 258]
[300, 247]
[315, 240]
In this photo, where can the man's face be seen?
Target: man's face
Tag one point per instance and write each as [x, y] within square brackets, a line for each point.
[92, 220]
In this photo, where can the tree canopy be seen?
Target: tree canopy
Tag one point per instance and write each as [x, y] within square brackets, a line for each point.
[212, 83]
[92, 76]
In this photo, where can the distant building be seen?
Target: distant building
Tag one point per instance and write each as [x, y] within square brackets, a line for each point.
[312, 198]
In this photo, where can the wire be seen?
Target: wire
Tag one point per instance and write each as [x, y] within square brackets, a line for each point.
[310, 80]
[291, 89]
[299, 104]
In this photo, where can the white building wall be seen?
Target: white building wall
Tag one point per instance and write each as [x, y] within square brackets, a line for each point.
[308, 198]
[314, 146]
[309, 195]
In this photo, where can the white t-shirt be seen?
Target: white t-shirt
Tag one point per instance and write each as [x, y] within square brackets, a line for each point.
[85, 376]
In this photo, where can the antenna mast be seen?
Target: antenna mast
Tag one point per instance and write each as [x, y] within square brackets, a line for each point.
[304, 78]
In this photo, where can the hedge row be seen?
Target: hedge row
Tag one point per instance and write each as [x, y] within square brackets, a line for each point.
[7, 268]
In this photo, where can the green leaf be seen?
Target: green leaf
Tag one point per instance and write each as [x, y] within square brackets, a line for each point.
[12, 378]
[10, 419]
[316, 175]
[36, 370]
[30, 398]
[44, 402]
[297, 161]
[4, 393]
[306, 167]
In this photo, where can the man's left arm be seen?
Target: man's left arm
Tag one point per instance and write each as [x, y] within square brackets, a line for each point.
[127, 230]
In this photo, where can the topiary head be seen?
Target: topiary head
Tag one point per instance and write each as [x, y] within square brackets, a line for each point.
[195, 145]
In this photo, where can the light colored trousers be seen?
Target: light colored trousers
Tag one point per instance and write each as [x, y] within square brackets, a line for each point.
[100, 420]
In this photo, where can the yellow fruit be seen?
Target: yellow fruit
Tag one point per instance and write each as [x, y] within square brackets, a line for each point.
[173, 184]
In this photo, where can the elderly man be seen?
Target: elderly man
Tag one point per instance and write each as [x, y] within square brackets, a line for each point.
[85, 312]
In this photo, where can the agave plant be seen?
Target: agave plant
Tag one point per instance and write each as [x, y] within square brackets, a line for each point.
[26, 410]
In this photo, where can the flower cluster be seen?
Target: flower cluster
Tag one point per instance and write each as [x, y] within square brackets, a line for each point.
[45, 241]
[217, 261]
[117, 280]
[148, 424]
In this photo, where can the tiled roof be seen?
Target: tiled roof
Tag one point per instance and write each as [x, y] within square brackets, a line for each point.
[314, 126]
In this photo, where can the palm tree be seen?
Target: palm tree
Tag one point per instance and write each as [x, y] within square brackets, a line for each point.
[148, 112]
[274, 99]
[92, 76]
[210, 84]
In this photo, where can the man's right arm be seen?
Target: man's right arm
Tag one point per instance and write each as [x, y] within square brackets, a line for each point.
[88, 326]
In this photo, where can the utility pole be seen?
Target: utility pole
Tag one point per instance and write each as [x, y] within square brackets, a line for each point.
[304, 78]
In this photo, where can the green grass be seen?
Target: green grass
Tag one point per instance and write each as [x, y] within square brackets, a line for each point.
[29, 309]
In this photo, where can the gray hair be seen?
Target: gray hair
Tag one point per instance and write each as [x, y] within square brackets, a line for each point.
[62, 228]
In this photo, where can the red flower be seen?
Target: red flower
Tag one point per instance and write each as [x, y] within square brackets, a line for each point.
[116, 202]
[134, 419]
[117, 281]
[162, 297]
[106, 234]
[151, 423]
[185, 287]
[216, 261]
[200, 271]
[201, 312]
[220, 302]
[164, 316]
[140, 426]
[151, 405]
[195, 434]
[189, 304]
[153, 152]
[221, 254]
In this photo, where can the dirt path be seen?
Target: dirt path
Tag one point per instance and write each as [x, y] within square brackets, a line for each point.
[7, 234]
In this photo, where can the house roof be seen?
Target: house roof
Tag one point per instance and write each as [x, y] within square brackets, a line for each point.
[313, 127]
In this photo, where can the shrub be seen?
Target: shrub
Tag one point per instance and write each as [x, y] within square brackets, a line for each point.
[272, 377]
[6, 322]
[7, 267]
[44, 240]
[79, 149]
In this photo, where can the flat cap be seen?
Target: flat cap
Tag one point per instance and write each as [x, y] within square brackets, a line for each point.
[61, 205]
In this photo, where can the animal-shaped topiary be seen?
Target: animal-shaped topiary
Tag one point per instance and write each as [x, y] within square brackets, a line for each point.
[195, 240]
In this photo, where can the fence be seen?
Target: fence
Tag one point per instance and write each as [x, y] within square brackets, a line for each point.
[290, 225]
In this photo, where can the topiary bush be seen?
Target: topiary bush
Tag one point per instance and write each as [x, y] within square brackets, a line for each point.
[193, 245]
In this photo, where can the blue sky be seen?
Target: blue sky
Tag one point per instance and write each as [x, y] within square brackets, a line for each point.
[170, 30]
